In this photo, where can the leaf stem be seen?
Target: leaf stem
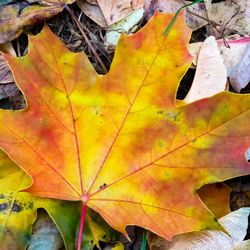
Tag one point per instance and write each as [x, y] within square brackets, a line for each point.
[144, 240]
[81, 227]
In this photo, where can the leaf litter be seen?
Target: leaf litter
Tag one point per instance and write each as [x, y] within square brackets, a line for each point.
[69, 40]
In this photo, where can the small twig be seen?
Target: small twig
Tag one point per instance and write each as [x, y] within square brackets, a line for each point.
[81, 28]
[59, 30]
[234, 15]
[213, 23]
[18, 48]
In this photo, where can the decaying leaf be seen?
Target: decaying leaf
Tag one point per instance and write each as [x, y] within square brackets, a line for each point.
[214, 194]
[16, 15]
[97, 230]
[171, 6]
[231, 15]
[245, 245]
[118, 142]
[10, 95]
[45, 234]
[106, 13]
[5, 72]
[231, 48]
[235, 223]
[126, 25]
[93, 11]
[235, 53]
[211, 73]
[240, 75]
[18, 209]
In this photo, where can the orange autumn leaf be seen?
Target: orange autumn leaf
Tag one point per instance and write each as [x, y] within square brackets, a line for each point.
[119, 142]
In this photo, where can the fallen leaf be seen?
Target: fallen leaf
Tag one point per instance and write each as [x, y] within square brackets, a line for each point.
[240, 75]
[231, 15]
[245, 245]
[45, 234]
[214, 194]
[116, 10]
[235, 57]
[18, 209]
[93, 12]
[126, 25]
[235, 223]
[7, 48]
[23, 213]
[172, 6]
[96, 230]
[10, 95]
[15, 16]
[211, 73]
[231, 48]
[110, 12]
[118, 246]
[239, 199]
[93, 2]
[118, 142]
[5, 72]
[217, 193]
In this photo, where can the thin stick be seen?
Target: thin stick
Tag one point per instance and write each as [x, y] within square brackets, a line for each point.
[81, 28]
[213, 23]
[18, 47]
[81, 227]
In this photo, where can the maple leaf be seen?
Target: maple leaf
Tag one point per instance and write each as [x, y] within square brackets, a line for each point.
[18, 209]
[119, 142]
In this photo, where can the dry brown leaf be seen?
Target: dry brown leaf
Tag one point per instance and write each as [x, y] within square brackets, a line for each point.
[93, 12]
[214, 194]
[110, 12]
[171, 6]
[92, 2]
[20, 14]
[5, 72]
[115, 10]
[234, 15]
[8, 88]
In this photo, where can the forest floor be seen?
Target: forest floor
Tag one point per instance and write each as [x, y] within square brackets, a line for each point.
[64, 26]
